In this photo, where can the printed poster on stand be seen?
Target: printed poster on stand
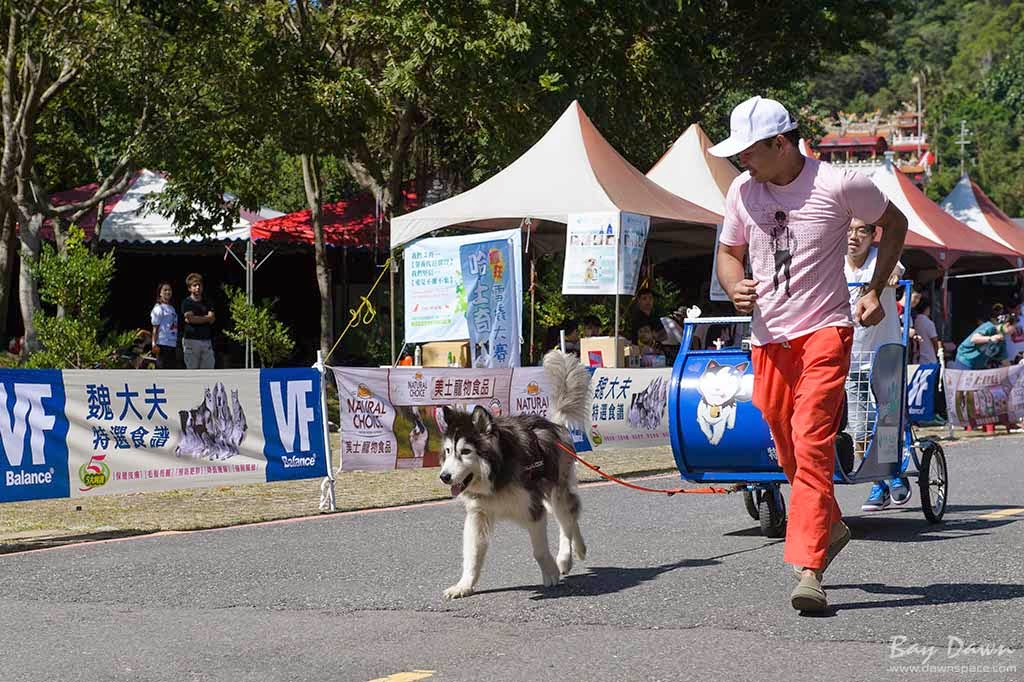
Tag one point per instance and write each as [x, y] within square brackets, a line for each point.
[435, 295]
[489, 273]
[591, 253]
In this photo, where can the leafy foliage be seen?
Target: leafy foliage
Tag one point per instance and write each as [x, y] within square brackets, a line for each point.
[77, 284]
[271, 340]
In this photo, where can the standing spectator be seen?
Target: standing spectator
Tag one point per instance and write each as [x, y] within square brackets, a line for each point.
[197, 339]
[928, 347]
[643, 315]
[164, 319]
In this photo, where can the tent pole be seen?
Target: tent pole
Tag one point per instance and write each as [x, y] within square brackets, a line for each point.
[391, 303]
[248, 297]
[533, 306]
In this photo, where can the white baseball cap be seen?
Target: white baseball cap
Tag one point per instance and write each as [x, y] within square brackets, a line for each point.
[751, 121]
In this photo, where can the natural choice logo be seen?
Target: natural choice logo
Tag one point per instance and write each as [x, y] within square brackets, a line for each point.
[94, 473]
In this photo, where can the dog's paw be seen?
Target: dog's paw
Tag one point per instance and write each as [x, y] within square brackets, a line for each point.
[458, 590]
[579, 550]
[564, 563]
[550, 578]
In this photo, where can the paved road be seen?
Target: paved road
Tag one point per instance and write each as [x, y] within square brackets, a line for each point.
[674, 589]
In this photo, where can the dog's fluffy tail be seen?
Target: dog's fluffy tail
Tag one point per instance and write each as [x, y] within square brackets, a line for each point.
[570, 383]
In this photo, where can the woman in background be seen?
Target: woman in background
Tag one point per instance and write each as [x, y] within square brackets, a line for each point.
[165, 328]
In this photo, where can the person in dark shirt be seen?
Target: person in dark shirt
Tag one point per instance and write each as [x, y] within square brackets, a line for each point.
[197, 332]
[643, 315]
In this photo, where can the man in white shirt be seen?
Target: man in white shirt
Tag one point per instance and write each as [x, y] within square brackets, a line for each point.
[861, 257]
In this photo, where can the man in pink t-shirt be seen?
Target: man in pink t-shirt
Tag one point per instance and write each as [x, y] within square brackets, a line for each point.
[790, 214]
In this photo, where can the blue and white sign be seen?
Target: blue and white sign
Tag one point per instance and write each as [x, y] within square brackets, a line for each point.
[634, 240]
[435, 295]
[33, 430]
[86, 433]
[922, 383]
[489, 276]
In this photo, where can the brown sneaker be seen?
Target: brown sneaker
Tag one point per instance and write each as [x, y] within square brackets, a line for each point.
[808, 595]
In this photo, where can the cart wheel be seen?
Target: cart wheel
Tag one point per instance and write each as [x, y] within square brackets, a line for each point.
[933, 481]
[771, 513]
[750, 504]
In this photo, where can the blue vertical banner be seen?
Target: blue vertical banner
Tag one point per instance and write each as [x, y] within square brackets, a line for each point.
[33, 436]
[922, 384]
[489, 275]
[293, 427]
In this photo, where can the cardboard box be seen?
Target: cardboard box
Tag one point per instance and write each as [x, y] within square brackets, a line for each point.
[435, 353]
[602, 351]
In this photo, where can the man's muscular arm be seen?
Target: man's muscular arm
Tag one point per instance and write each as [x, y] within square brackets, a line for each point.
[742, 292]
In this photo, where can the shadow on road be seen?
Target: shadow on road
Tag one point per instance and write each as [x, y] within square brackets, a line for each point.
[927, 595]
[600, 580]
[45, 542]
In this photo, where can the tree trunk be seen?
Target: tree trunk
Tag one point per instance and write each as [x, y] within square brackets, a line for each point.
[8, 247]
[311, 180]
[27, 288]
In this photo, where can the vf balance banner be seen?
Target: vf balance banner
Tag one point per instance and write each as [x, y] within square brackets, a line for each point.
[85, 433]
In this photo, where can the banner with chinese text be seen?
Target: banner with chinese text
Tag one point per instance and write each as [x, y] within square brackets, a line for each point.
[435, 296]
[985, 396]
[86, 433]
[488, 274]
[393, 418]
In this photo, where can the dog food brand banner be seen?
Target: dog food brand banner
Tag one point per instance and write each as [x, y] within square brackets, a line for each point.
[488, 274]
[629, 407]
[393, 418]
[591, 253]
[85, 433]
[435, 296]
[922, 383]
[988, 396]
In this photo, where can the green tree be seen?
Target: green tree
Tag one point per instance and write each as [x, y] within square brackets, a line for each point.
[77, 282]
[255, 322]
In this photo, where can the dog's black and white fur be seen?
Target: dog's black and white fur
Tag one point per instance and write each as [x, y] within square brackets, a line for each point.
[511, 468]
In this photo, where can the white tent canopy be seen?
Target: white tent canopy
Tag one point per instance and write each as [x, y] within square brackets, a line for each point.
[129, 221]
[572, 169]
[970, 205]
[688, 171]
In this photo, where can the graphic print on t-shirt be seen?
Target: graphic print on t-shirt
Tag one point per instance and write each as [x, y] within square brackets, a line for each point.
[782, 248]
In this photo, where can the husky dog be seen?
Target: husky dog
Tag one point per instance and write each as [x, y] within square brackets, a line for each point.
[213, 430]
[720, 387]
[513, 467]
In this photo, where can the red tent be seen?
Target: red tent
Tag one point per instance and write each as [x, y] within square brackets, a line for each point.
[352, 223]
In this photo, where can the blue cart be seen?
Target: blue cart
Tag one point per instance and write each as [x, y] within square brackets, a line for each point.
[719, 436]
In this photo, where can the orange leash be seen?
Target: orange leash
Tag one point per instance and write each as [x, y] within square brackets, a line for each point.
[670, 493]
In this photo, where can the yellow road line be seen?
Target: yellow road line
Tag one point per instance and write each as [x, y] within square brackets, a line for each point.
[1001, 513]
[412, 676]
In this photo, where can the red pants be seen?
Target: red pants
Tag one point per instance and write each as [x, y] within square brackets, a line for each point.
[799, 388]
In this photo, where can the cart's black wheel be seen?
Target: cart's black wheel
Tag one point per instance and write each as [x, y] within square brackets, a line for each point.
[933, 481]
[750, 504]
[771, 512]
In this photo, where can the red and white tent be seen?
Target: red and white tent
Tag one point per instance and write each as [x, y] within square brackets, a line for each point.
[932, 228]
[688, 171]
[571, 169]
[970, 205]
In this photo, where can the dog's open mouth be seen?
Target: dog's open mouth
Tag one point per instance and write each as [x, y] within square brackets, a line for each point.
[457, 488]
